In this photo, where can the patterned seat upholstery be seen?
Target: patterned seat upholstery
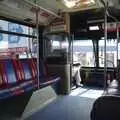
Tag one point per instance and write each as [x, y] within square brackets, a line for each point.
[19, 76]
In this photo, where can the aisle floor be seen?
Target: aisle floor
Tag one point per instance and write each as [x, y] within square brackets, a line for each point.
[76, 106]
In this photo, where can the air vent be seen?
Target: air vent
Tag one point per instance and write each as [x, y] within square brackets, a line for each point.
[28, 20]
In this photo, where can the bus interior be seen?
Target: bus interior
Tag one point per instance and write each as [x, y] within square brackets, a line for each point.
[59, 59]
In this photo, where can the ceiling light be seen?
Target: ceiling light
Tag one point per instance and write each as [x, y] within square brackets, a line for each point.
[94, 28]
[77, 3]
[69, 4]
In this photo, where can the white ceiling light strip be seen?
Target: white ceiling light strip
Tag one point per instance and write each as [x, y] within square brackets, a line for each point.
[91, 28]
[77, 3]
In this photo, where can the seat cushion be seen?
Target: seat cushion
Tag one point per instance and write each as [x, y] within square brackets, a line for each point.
[16, 89]
[27, 86]
[4, 93]
[45, 81]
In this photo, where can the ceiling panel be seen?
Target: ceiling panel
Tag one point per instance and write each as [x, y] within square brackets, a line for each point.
[56, 5]
[48, 4]
[23, 10]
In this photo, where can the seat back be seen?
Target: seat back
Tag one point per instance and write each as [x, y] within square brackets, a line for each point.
[16, 77]
[26, 69]
[18, 70]
[14, 71]
[33, 68]
[106, 108]
[3, 77]
[29, 71]
[42, 69]
[21, 69]
[10, 71]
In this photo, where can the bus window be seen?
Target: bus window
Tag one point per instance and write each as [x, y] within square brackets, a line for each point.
[56, 45]
[83, 53]
[3, 43]
[15, 35]
[111, 53]
[17, 28]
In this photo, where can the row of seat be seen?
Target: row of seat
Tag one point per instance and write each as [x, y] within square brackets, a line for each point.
[19, 76]
[95, 76]
[107, 106]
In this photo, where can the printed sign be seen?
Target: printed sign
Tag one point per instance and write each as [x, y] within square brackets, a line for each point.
[17, 49]
[58, 25]
[43, 15]
[112, 26]
[7, 52]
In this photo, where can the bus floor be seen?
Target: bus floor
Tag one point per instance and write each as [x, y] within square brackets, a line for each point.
[75, 106]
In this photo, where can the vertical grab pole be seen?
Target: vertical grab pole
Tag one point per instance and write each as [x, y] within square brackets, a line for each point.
[29, 43]
[105, 40]
[117, 49]
[37, 32]
[117, 40]
[71, 59]
[72, 46]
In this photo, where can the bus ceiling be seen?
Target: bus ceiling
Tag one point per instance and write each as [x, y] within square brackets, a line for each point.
[25, 10]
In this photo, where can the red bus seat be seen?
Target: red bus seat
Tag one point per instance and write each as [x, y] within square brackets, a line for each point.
[19, 76]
